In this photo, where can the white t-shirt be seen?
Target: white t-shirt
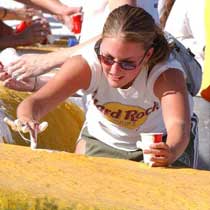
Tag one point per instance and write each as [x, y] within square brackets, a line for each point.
[117, 116]
[96, 12]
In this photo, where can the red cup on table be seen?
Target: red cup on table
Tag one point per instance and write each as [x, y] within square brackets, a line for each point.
[76, 23]
[146, 140]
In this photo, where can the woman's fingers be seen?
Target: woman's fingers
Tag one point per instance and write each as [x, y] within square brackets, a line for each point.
[160, 154]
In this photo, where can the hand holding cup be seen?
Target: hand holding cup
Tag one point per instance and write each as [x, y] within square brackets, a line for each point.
[147, 140]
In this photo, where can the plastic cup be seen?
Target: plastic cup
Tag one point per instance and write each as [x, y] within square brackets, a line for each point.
[77, 23]
[7, 56]
[146, 140]
[21, 27]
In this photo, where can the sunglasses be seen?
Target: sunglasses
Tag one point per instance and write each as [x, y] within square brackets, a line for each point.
[125, 65]
[109, 60]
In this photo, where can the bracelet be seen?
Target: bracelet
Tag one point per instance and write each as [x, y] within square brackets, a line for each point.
[4, 13]
[35, 84]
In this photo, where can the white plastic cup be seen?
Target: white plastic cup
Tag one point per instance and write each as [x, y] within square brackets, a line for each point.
[8, 55]
[146, 140]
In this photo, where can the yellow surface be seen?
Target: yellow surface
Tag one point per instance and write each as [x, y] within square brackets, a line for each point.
[39, 180]
[206, 74]
[64, 122]
[39, 48]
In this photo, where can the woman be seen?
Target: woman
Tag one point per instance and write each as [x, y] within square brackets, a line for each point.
[135, 86]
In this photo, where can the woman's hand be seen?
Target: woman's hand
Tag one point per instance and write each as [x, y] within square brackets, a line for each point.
[162, 154]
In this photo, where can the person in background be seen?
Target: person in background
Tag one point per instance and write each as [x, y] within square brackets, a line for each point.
[17, 14]
[55, 7]
[189, 27]
[164, 9]
[32, 64]
[133, 81]
[97, 13]
[28, 32]
[36, 32]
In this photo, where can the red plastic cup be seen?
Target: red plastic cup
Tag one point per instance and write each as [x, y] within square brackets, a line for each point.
[77, 23]
[21, 27]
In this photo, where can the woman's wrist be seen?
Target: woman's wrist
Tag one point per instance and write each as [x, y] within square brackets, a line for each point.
[175, 153]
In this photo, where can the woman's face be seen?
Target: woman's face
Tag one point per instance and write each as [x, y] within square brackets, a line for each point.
[117, 55]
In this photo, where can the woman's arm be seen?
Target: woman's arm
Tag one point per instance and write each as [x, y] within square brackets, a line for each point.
[75, 74]
[171, 89]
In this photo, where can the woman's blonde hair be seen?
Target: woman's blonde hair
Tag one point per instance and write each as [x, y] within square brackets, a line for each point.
[136, 25]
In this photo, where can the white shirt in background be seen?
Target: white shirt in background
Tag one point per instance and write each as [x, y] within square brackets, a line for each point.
[186, 23]
[96, 12]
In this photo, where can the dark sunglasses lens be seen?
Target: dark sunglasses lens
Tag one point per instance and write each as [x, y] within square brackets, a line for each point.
[127, 65]
[106, 60]
[109, 61]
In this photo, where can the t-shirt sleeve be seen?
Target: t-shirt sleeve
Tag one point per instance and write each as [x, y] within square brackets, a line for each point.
[160, 68]
[90, 56]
